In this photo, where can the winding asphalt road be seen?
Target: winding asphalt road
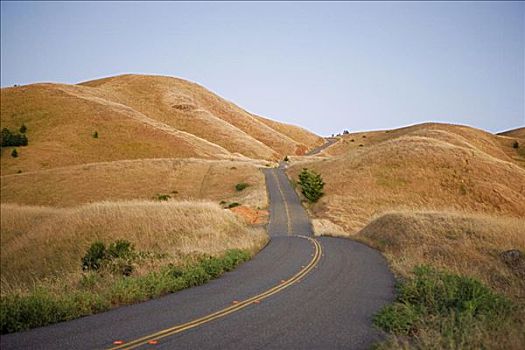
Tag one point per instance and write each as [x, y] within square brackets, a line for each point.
[299, 292]
[329, 141]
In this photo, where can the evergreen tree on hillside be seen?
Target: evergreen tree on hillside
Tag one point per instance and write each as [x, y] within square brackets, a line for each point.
[311, 184]
[10, 139]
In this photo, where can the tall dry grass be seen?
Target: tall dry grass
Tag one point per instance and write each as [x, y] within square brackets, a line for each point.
[466, 244]
[41, 243]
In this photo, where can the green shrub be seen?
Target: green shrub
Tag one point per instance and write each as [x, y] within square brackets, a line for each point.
[233, 258]
[446, 304]
[120, 249]
[516, 145]
[233, 205]
[162, 197]
[94, 256]
[195, 275]
[41, 307]
[286, 158]
[10, 139]
[312, 185]
[175, 271]
[95, 135]
[213, 266]
[14, 153]
[398, 318]
[23, 129]
[241, 186]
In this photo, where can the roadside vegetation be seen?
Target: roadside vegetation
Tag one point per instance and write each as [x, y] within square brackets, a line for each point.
[311, 185]
[59, 264]
[461, 279]
[439, 310]
[99, 291]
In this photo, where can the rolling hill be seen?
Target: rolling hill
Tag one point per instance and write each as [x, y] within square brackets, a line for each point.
[135, 117]
[426, 166]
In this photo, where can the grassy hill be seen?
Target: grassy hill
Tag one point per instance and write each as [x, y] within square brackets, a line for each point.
[428, 166]
[137, 117]
[144, 179]
[445, 197]
[153, 161]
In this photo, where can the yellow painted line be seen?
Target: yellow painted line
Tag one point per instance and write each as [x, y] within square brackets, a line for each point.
[288, 218]
[231, 309]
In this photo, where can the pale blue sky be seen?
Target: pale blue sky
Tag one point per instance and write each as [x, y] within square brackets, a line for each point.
[324, 66]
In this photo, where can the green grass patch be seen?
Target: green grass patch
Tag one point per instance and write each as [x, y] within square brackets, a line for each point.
[94, 294]
[447, 310]
[161, 197]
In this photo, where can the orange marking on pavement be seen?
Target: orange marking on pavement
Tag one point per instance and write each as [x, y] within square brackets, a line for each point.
[153, 342]
[118, 342]
[235, 302]
[257, 302]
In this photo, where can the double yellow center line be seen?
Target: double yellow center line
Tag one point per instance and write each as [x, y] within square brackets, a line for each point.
[233, 308]
[287, 210]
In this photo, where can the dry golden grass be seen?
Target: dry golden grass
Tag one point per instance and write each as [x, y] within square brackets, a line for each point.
[497, 146]
[517, 133]
[213, 180]
[466, 244]
[62, 118]
[136, 117]
[40, 243]
[192, 108]
[300, 135]
[439, 171]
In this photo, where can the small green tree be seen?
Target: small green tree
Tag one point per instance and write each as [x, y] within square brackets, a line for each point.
[95, 135]
[286, 158]
[241, 186]
[23, 129]
[12, 139]
[311, 185]
[14, 153]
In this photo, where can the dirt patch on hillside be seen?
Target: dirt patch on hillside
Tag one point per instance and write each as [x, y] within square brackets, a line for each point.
[250, 215]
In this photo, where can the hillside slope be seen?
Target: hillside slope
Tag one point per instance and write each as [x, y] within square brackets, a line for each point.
[428, 166]
[143, 179]
[136, 117]
[192, 108]
[495, 145]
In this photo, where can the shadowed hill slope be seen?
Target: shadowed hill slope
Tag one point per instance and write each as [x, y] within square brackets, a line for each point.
[519, 133]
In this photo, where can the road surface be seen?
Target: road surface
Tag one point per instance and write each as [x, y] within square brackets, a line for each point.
[328, 142]
[299, 292]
